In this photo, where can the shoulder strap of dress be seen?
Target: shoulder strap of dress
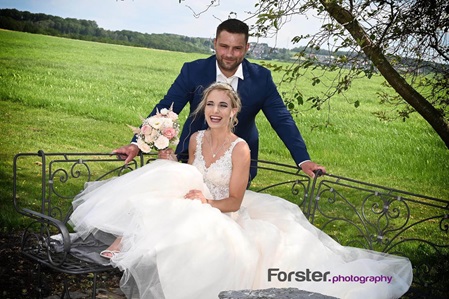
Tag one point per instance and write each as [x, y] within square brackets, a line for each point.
[199, 141]
[234, 143]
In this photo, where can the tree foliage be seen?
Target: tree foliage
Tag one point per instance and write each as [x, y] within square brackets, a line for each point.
[398, 38]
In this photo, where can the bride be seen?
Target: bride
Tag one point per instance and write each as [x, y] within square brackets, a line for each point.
[193, 230]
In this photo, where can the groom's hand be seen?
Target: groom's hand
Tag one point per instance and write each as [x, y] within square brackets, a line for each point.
[127, 152]
[309, 167]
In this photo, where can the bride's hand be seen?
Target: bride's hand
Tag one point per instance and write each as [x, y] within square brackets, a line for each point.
[196, 194]
[167, 154]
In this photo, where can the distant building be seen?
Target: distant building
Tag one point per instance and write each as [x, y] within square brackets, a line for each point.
[259, 50]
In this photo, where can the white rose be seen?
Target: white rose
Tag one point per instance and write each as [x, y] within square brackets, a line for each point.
[164, 111]
[143, 146]
[161, 142]
[149, 138]
[156, 122]
[167, 123]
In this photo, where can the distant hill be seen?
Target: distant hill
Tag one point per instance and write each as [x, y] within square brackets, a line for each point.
[40, 23]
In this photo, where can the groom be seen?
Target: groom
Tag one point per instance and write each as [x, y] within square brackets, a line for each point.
[253, 83]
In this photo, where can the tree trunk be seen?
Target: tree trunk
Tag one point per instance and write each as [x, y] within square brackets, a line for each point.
[375, 54]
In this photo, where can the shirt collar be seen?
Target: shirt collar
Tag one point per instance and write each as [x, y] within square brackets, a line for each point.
[238, 73]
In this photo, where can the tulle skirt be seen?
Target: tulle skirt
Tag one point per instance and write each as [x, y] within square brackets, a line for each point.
[175, 248]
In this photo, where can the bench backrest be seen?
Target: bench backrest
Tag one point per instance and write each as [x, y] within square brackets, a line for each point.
[355, 213]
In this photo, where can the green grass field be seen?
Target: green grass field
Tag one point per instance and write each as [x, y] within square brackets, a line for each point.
[64, 95]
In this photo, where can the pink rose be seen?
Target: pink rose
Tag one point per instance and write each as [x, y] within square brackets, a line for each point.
[169, 133]
[146, 130]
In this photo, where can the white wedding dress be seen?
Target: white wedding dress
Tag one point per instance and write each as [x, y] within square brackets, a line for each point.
[173, 248]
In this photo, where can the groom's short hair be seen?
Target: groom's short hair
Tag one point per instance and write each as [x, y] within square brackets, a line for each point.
[234, 26]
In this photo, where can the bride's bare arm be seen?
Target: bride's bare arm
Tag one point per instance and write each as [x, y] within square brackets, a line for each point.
[192, 147]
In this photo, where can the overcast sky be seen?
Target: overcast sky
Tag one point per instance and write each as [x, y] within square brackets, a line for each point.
[160, 16]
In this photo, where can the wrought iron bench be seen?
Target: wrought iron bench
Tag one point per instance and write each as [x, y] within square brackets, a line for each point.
[353, 212]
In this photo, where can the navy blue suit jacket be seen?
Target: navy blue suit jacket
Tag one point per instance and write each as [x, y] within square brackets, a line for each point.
[257, 92]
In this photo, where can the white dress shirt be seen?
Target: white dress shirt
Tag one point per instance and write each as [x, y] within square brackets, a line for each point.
[233, 80]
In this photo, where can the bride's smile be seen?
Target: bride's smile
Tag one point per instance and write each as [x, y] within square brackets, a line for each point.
[218, 111]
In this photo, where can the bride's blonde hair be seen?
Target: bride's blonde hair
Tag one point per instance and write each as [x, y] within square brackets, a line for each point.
[230, 92]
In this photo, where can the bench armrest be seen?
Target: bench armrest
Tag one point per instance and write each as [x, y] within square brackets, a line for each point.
[41, 243]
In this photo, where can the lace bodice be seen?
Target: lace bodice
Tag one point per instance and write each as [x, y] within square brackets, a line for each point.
[218, 174]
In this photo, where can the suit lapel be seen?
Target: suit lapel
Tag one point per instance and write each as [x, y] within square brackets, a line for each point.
[243, 87]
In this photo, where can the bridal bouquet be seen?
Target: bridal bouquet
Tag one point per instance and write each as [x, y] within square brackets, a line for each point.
[159, 131]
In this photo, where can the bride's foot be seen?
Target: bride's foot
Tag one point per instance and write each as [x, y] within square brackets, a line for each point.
[112, 250]
[108, 254]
